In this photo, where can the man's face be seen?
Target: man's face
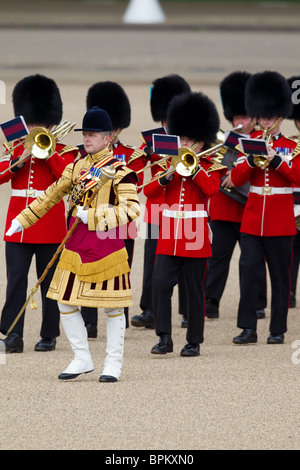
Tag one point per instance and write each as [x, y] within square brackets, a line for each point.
[94, 142]
[187, 142]
[267, 123]
[245, 121]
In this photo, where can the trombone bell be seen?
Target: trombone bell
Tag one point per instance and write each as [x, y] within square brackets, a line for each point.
[186, 162]
[40, 143]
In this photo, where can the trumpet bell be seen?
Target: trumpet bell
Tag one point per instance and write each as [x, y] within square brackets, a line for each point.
[186, 162]
[40, 143]
[261, 161]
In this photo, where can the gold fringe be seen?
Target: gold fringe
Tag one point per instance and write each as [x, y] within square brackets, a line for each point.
[111, 266]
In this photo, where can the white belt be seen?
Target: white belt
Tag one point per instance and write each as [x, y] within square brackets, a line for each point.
[269, 190]
[184, 214]
[26, 192]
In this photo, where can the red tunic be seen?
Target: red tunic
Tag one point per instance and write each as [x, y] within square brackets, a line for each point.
[36, 174]
[270, 207]
[184, 229]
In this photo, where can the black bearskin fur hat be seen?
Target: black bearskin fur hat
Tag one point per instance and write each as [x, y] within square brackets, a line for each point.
[295, 115]
[111, 97]
[195, 116]
[232, 93]
[163, 90]
[268, 94]
[37, 99]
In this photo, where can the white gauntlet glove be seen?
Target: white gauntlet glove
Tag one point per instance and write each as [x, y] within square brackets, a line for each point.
[15, 227]
[82, 214]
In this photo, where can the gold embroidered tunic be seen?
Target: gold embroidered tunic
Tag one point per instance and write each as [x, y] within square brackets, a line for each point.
[93, 269]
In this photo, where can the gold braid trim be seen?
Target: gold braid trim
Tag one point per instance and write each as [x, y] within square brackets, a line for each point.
[138, 153]
[215, 167]
[296, 150]
[109, 267]
[67, 148]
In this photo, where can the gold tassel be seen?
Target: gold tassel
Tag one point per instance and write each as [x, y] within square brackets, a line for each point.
[33, 304]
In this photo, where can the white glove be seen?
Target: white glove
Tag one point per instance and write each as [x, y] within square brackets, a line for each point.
[82, 214]
[15, 227]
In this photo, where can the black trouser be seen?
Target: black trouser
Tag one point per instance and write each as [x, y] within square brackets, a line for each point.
[18, 261]
[296, 259]
[165, 277]
[90, 314]
[149, 260]
[225, 236]
[278, 254]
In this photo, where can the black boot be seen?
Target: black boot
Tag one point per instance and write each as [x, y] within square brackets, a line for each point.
[45, 344]
[145, 319]
[248, 336]
[14, 343]
[164, 346]
[211, 308]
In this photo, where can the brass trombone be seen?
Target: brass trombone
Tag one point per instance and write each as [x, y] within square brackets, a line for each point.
[186, 162]
[40, 142]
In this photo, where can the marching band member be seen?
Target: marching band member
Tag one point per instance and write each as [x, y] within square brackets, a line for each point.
[268, 223]
[93, 269]
[162, 91]
[226, 207]
[184, 240]
[112, 97]
[37, 98]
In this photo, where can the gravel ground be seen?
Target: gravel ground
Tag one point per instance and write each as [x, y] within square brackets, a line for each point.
[230, 397]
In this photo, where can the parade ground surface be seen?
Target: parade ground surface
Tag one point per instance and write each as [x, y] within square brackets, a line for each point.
[231, 397]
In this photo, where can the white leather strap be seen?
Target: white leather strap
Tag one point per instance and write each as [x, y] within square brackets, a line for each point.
[184, 214]
[270, 190]
[26, 192]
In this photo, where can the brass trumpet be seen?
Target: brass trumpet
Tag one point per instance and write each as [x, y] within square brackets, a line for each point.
[40, 142]
[261, 160]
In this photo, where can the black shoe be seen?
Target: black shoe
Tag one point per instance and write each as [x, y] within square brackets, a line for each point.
[275, 339]
[66, 376]
[248, 336]
[190, 349]
[184, 322]
[146, 319]
[211, 308]
[164, 346]
[260, 313]
[45, 344]
[108, 378]
[91, 330]
[14, 343]
[292, 300]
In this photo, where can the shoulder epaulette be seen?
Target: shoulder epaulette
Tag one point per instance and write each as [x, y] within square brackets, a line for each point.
[138, 153]
[68, 148]
[215, 167]
[296, 150]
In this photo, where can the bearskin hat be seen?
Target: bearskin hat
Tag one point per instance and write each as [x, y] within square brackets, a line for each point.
[37, 98]
[268, 94]
[163, 90]
[295, 115]
[195, 116]
[232, 93]
[111, 97]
